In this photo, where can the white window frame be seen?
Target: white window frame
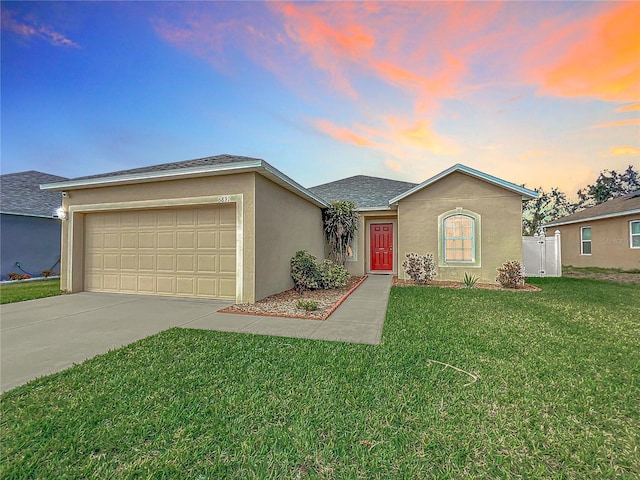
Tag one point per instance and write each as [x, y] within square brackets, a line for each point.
[631, 234]
[582, 240]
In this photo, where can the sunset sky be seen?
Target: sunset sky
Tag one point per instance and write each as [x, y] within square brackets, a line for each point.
[538, 93]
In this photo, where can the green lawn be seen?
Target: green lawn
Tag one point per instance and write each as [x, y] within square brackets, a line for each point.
[557, 397]
[21, 291]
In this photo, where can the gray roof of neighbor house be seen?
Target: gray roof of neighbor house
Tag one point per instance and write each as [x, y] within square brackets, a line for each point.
[199, 167]
[626, 205]
[20, 194]
[366, 192]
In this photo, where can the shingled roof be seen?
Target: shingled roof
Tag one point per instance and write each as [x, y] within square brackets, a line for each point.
[20, 194]
[185, 164]
[625, 205]
[364, 191]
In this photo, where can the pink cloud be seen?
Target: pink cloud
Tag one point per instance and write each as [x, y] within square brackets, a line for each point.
[32, 29]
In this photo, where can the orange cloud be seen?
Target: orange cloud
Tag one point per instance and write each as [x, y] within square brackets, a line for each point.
[32, 29]
[342, 133]
[605, 63]
[624, 150]
[618, 123]
[629, 108]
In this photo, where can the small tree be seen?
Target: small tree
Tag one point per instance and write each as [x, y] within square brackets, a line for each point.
[547, 207]
[609, 184]
[340, 225]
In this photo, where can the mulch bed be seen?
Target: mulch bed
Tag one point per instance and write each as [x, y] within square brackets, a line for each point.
[283, 304]
[449, 284]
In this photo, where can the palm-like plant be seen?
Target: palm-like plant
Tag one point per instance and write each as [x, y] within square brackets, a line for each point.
[340, 226]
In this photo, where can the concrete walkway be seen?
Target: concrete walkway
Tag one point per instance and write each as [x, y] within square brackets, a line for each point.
[358, 320]
[47, 335]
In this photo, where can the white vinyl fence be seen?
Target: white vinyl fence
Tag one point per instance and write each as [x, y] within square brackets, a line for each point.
[541, 256]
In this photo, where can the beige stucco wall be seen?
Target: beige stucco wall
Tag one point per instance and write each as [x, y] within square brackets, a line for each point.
[165, 194]
[284, 224]
[500, 211]
[610, 244]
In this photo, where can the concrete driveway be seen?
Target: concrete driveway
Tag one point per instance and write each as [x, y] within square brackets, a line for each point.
[47, 335]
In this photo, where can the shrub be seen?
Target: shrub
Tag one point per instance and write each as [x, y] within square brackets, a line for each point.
[340, 225]
[308, 305]
[469, 280]
[304, 271]
[307, 274]
[333, 275]
[47, 273]
[18, 276]
[510, 274]
[420, 268]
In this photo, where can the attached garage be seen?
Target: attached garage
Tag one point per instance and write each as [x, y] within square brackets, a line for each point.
[222, 227]
[184, 251]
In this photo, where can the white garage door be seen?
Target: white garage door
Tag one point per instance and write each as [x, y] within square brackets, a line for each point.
[183, 252]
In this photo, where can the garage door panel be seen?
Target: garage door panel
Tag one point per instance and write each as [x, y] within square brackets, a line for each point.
[228, 240]
[186, 239]
[187, 252]
[128, 262]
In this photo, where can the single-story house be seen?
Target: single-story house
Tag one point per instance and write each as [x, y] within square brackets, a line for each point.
[227, 226]
[605, 235]
[29, 227]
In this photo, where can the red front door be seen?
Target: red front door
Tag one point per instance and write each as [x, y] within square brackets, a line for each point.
[381, 246]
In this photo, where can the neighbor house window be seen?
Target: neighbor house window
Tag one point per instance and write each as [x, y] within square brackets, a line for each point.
[634, 232]
[585, 243]
[459, 238]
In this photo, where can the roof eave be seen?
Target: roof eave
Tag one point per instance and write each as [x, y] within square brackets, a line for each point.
[258, 166]
[595, 217]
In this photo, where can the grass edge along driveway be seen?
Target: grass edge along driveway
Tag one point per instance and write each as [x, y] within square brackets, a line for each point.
[557, 397]
[29, 290]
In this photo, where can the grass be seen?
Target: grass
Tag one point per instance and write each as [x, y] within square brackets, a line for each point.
[21, 291]
[558, 397]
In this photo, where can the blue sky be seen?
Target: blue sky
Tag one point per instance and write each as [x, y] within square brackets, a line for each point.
[540, 93]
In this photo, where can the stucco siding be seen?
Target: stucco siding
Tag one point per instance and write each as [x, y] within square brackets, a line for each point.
[610, 247]
[500, 213]
[34, 242]
[161, 194]
[284, 224]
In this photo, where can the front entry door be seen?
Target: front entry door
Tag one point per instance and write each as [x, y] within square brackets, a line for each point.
[381, 246]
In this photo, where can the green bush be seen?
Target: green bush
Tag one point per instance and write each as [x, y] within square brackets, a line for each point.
[333, 275]
[510, 274]
[308, 305]
[304, 271]
[307, 274]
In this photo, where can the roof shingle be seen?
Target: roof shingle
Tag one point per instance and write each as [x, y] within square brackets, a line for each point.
[364, 191]
[20, 193]
[615, 207]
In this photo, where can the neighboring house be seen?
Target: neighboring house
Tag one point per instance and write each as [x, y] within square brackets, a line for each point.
[606, 235]
[29, 228]
[227, 226]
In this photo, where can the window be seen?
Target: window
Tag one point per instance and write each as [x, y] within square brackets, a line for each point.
[634, 233]
[458, 238]
[585, 243]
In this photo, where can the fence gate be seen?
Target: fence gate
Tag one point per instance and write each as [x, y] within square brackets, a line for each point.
[541, 256]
